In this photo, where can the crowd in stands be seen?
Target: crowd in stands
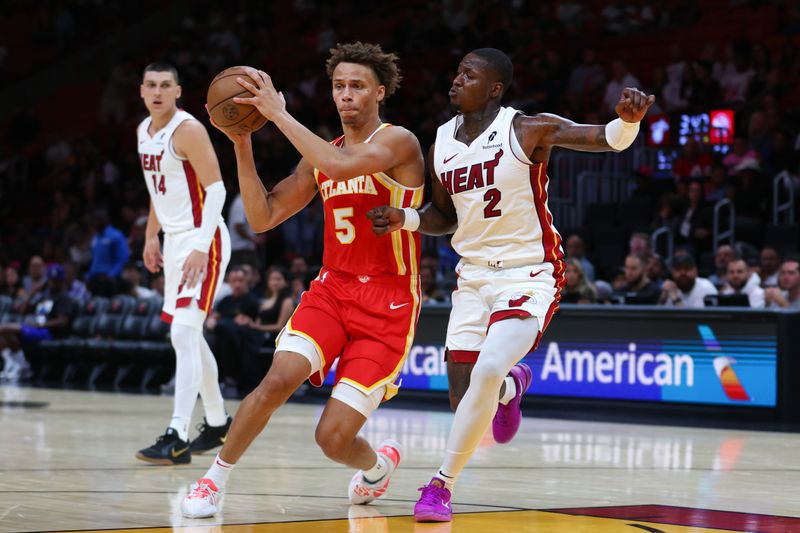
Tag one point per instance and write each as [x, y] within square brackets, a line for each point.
[72, 221]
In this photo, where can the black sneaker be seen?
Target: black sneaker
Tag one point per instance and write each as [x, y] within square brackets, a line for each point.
[210, 436]
[169, 449]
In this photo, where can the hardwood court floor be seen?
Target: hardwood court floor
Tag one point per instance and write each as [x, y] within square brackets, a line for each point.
[67, 463]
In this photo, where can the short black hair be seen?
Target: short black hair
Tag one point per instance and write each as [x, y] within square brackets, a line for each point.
[500, 63]
[383, 64]
[162, 66]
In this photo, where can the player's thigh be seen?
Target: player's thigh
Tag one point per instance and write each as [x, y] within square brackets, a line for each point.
[466, 327]
[173, 263]
[286, 373]
[380, 335]
[317, 320]
[522, 294]
[347, 410]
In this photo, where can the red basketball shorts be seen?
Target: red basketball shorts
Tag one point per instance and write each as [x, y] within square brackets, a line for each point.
[366, 322]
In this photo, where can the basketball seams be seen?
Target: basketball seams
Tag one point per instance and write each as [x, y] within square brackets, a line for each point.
[237, 95]
[243, 118]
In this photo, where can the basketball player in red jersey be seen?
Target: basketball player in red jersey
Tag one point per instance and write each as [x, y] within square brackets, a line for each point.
[363, 307]
[490, 190]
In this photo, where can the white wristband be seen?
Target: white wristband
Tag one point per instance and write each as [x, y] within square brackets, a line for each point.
[411, 222]
[212, 213]
[621, 134]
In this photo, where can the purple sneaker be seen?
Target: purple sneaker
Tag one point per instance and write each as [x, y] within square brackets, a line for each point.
[508, 417]
[434, 504]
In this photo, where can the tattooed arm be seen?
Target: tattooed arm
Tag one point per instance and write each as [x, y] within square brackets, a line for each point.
[539, 133]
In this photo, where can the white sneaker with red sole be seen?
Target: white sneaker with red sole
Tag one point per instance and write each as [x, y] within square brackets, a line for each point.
[362, 491]
[202, 501]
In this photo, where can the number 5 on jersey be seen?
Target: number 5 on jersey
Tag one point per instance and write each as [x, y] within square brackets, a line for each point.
[345, 231]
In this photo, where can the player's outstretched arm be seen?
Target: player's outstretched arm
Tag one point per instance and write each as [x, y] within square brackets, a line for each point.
[266, 209]
[438, 217]
[390, 148]
[545, 130]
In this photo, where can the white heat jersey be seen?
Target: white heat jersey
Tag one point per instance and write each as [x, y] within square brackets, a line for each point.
[174, 186]
[499, 195]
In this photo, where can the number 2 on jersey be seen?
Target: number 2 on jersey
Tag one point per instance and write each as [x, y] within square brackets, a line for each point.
[345, 231]
[158, 185]
[493, 197]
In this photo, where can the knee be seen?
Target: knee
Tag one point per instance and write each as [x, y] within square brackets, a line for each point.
[333, 443]
[488, 373]
[272, 392]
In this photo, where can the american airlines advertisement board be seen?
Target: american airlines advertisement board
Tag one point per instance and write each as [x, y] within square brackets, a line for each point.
[663, 359]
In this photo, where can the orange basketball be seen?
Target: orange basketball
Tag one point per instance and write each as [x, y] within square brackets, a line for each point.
[227, 114]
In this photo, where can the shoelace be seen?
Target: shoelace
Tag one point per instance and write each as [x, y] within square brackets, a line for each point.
[202, 490]
[432, 495]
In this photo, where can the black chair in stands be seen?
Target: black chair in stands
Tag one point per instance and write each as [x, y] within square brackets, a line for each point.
[155, 350]
[44, 354]
[124, 349]
[106, 330]
[72, 348]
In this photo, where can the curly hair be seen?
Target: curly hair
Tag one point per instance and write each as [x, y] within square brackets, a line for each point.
[383, 64]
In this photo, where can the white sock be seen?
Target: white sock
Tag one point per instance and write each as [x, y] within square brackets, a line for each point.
[219, 472]
[213, 403]
[448, 477]
[188, 375]
[511, 390]
[506, 342]
[377, 472]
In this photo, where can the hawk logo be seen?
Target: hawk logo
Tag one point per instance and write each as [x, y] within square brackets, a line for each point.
[491, 137]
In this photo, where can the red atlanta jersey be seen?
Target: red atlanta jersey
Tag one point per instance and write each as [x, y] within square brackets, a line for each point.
[350, 245]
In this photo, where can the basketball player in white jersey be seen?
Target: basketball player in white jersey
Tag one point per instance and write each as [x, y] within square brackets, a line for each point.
[186, 199]
[490, 189]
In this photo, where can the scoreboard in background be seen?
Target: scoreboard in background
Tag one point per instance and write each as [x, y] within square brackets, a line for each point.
[715, 128]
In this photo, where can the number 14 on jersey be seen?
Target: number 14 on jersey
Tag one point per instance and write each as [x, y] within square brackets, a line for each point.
[158, 184]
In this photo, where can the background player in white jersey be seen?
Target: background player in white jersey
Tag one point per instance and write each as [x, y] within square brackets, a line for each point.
[186, 199]
[490, 188]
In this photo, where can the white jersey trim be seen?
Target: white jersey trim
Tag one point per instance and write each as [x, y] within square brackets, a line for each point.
[513, 142]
